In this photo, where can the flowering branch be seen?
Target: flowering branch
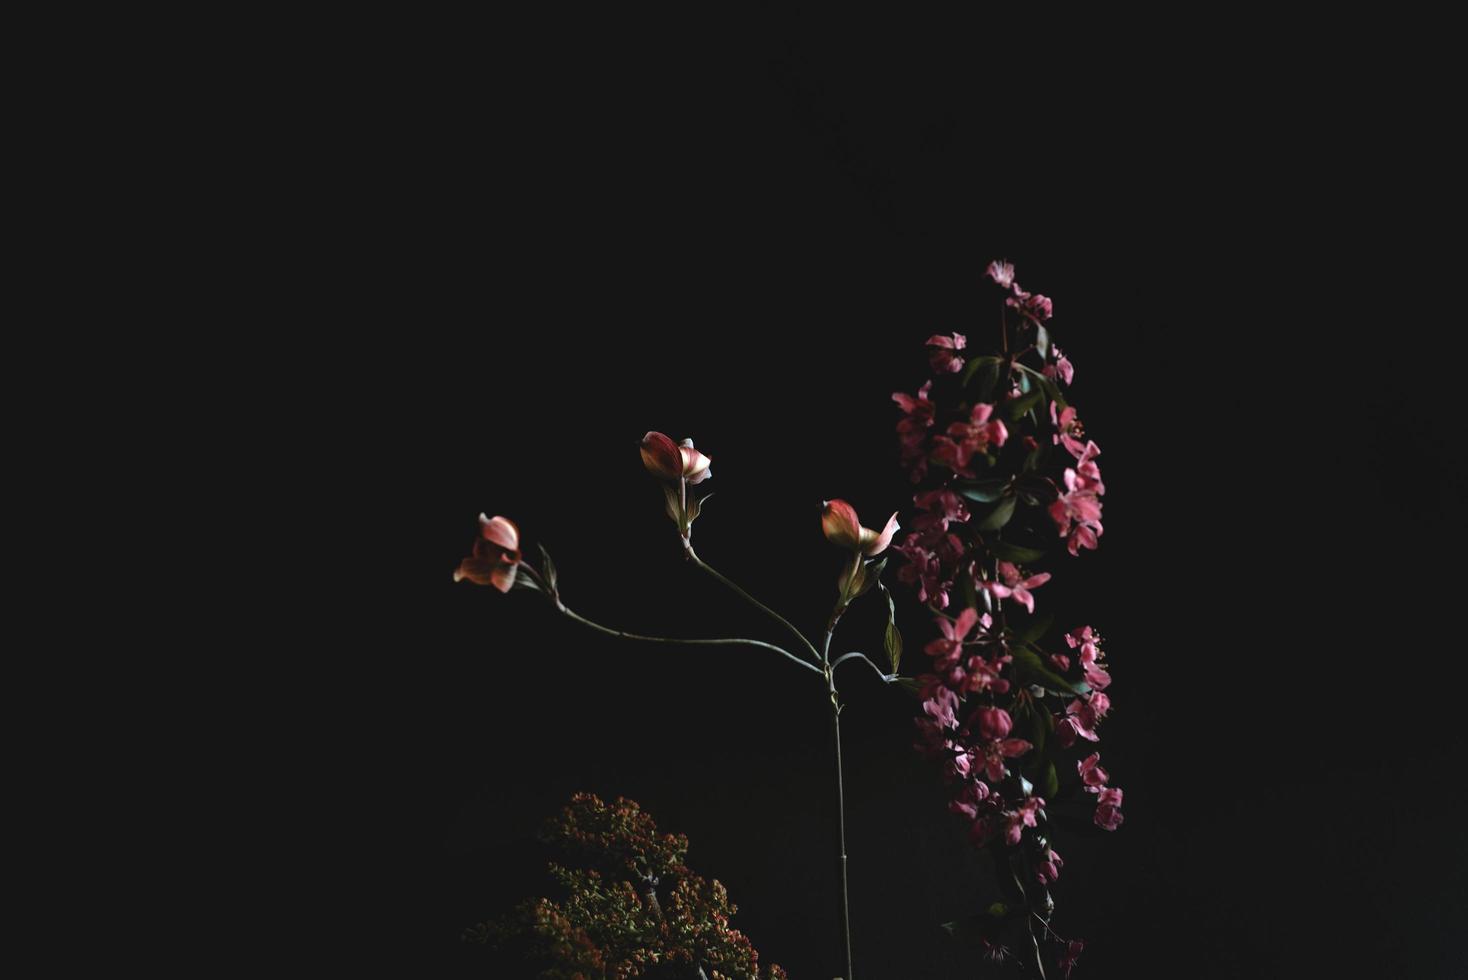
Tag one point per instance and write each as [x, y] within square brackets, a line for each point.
[1008, 473]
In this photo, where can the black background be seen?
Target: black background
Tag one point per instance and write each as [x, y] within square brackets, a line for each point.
[547, 254]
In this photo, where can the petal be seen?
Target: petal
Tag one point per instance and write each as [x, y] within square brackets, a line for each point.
[500, 531]
[480, 571]
[839, 522]
[661, 456]
[503, 577]
[966, 621]
[695, 465]
[874, 544]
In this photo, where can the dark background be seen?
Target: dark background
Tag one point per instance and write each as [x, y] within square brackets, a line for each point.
[570, 243]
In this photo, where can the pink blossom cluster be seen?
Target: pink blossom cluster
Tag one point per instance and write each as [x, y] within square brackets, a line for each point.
[1005, 472]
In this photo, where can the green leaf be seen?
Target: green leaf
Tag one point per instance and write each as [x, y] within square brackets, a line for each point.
[1037, 485]
[695, 505]
[999, 516]
[1018, 406]
[672, 505]
[1015, 553]
[910, 685]
[1042, 341]
[547, 568]
[1030, 669]
[983, 491]
[1050, 387]
[1036, 628]
[987, 360]
[1049, 781]
[892, 639]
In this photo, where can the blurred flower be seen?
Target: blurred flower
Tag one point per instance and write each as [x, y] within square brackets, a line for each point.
[1001, 272]
[943, 353]
[1108, 814]
[1049, 865]
[945, 650]
[964, 440]
[1068, 957]
[1015, 585]
[496, 555]
[913, 429]
[1092, 775]
[1032, 306]
[1061, 369]
[839, 522]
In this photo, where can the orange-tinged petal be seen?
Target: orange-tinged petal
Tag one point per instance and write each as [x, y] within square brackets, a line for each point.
[501, 531]
[661, 456]
[872, 543]
[838, 521]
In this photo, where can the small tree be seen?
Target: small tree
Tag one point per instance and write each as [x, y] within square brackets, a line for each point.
[632, 907]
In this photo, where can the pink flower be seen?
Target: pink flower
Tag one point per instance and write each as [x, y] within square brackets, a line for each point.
[1021, 818]
[1089, 643]
[1062, 368]
[940, 707]
[496, 555]
[946, 649]
[1068, 957]
[994, 723]
[1048, 869]
[671, 461]
[924, 570]
[1108, 809]
[1077, 512]
[1015, 586]
[943, 353]
[940, 507]
[1087, 640]
[912, 430]
[969, 798]
[839, 522]
[1081, 716]
[964, 440]
[1068, 430]
[1092, 775]
[983, 674]
[1097, 677]
[1001, 272]
[1031, 306]
[991, 754]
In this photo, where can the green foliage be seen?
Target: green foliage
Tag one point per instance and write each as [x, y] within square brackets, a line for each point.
[633, 909]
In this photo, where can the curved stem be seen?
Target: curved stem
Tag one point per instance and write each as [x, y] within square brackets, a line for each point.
[731, 641]
[847, 656]
[755, 602]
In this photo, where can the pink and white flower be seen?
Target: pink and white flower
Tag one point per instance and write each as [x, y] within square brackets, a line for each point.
[495, 557]
[843, 529]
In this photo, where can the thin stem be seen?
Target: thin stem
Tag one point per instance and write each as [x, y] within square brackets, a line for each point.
[840, 795]
[755, 602]
[731, 641]
[847, 656]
